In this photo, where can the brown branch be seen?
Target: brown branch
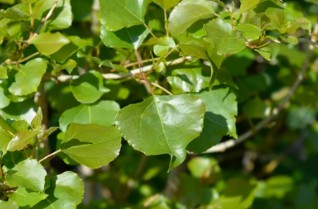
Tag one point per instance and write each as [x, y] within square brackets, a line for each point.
[223, 146]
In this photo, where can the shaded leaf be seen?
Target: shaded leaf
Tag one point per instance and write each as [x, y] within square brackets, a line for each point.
[4, 100]
[20, 175]
[117, 14]
[223, 37]
[29, 77]
[102, 113]
[90, 144]
[180, 20]
[219, 119]
[162, 124]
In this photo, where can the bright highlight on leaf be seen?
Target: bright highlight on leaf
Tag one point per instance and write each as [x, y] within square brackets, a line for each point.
[162, 124]
[49, 43]
[117, 14]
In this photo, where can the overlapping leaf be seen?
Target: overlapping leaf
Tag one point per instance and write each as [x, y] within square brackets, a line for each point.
[89, 87]
[224, 38]
[180, 19]
[20, 175]
[49, 43]
[29, 77]
[162, 124]
[102, 113]
[117, 14]
[91, 144]
[125, 38]
[219, 119]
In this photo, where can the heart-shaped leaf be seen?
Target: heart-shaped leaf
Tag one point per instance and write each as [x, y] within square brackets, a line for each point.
[91, 144]
[162, 124]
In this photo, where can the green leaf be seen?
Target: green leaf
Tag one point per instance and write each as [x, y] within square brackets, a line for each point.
[166, 4]
[91, 144]
[4, 100]
[224, 37]
[89, 87]
[189, 79]
[26, 198]
[49, 43]
[247, 5]
[29, 77]
[5, 139]
[219, 119]
[22, 139]
[8, 205]
[180, 20]
[102, 113]
[117, 14]
[3, 72]
[29, 174]
[162, 124]
[62, 15]
[250, 32]
[163, 45]
[130, 38]
[36, 123]
[69, 187]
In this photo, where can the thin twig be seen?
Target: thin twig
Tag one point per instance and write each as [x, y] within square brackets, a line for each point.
[49, 14]
[50, 155]
[132, 73]
[221, 147]
[162, 88]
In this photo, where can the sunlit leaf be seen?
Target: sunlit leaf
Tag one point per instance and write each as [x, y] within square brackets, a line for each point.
[62, 15]
[90, 144]
[69, 186]
[125, 38]
[20, 175]
[25, 198]
[117, 14]
[162, 124]
[180, 19]
[49, 43]
[166, 4]
[247, 5]
[224, 38]
[89, 87]
[28, 78]
[102, 113]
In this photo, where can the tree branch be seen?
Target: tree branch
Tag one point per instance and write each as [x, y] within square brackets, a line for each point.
[132, 73]
[223, 146]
